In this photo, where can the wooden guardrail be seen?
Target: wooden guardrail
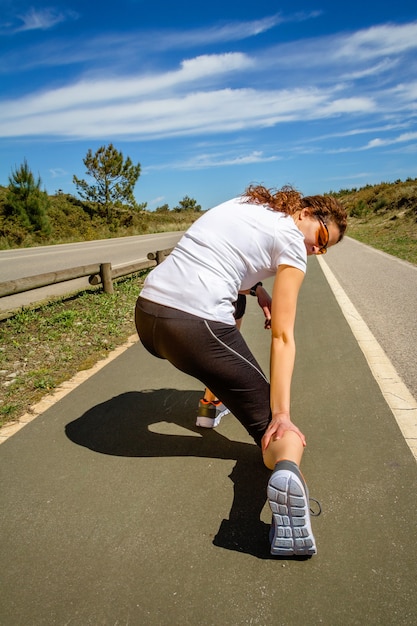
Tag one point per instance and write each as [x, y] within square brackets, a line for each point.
[97, 272]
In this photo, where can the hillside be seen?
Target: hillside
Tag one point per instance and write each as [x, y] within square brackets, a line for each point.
[70, 219]
[384, 216]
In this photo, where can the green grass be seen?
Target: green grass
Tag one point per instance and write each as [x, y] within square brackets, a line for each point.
[41, 348]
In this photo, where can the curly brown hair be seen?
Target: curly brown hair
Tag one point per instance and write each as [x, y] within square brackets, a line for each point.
[288, 200]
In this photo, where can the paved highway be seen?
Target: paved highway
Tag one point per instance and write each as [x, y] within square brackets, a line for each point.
[33, 261]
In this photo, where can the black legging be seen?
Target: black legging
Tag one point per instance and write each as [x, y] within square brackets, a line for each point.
[214, 353]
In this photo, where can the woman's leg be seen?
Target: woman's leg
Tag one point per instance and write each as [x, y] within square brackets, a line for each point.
[289, 448]
[217, 355]
[208, 395]
[214, 353]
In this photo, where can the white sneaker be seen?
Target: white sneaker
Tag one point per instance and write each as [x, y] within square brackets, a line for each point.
[291, 533]
[210, 413]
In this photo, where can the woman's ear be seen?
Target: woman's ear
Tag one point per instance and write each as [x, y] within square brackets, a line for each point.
[304, 213]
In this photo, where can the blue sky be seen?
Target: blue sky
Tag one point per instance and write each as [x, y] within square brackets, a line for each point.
[209, 97]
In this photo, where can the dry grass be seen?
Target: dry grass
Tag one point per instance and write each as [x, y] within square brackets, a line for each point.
[384, 216]
[392, 232]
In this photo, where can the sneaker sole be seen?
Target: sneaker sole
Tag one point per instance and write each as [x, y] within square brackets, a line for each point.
[210, 422]
[291, 533]
[207, 422]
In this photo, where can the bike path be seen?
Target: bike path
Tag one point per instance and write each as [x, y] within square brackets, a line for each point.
[116, 509]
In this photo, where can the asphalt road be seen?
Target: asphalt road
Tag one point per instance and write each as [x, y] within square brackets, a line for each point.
[33, 261]
[116, 509]
[384, 291]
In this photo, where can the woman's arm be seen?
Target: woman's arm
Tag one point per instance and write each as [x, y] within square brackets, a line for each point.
[287, 285]
[264, 301]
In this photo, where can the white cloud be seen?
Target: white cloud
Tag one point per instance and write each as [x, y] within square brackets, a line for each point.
[366, 130]
[57, 172]
[212, 160]
[403, 138]
[374, 70]
[230, 92]
[42, 19]
[125, 89]
[377, 142]
[383, 40]
[114, 48]
[232, 31]
[209, 64]
[347, 52]
[351, 177]
[204, 161]
[197, 112]
[156, 201]
[407, 92]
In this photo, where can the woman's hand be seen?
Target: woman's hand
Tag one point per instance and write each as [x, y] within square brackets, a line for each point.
[265, 302]
[277, 428]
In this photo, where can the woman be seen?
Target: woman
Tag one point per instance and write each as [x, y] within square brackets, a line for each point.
[185, 314]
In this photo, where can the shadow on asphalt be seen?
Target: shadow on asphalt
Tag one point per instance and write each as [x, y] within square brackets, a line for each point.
[121, 427]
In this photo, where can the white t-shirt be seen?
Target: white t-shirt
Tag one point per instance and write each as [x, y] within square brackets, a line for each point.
[228, 249]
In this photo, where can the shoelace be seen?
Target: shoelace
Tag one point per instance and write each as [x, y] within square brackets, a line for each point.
[315, 513]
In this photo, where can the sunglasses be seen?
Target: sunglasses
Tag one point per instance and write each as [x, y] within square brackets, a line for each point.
[322, 237]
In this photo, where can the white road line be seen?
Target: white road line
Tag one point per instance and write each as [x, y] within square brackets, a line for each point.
[398, 397]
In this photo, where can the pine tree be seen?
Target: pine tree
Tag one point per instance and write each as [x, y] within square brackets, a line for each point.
[115, 179]
[187, 204]
[26, 201]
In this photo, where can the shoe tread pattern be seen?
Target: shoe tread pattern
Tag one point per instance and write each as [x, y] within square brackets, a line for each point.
[291, 533]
